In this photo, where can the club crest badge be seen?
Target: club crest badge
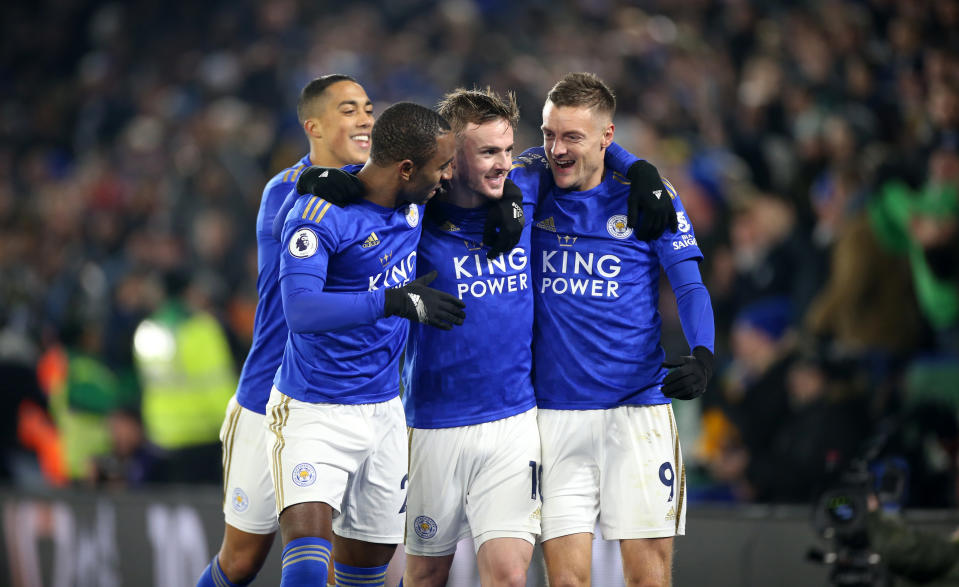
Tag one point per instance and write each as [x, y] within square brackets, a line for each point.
[616, 226]
[304, 474]
[425, 527]
[412, 215]
[240, 501]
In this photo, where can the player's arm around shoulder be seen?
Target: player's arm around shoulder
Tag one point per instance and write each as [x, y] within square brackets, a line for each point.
[678, 243]
[531, 174]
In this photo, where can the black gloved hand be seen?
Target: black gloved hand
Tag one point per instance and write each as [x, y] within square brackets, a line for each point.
[333, 185]
[687, 378]
[504, 221]
[651, 209]
[419, 303]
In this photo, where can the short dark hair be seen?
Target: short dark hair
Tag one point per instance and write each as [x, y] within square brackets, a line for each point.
[406, 131]
[583, 90]
[314, 90]
[461, 107]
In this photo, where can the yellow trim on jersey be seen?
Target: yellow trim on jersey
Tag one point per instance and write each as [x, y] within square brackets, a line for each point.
[308, 206]
[323, 213]
[669, 188]
[296, 172]
[515, 165]
[228, 441]
[292, 173]
[620, 178]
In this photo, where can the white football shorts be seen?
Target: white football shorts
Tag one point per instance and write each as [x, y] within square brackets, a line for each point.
[248, 501]
[352, 457]
[480, 480]
[623, 465]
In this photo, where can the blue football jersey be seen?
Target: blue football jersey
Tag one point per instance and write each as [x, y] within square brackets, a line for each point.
[596, 336]
[362, 247]
[480, 371]
[269, 327]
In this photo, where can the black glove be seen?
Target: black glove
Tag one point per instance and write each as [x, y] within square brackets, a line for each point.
[418, 303]
[651, 209]
[505, 221]
[333, 185]
[687, 378]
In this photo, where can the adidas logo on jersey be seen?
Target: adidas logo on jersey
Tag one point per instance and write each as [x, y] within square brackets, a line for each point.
[566, 240]
[547, 224]
[671, 515]
[371, 241]
[449, 227]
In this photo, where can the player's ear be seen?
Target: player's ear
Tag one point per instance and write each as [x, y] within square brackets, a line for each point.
[406, 169]
[608, 135]
[313, 128]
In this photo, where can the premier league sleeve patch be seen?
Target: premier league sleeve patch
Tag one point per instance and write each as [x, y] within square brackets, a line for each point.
[304, 474]
[303, 243]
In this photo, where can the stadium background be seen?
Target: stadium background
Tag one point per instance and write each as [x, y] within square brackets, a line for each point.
[815, 146]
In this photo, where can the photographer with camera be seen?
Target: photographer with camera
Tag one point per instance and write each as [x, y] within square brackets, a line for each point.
[916, 556]
[870, 543]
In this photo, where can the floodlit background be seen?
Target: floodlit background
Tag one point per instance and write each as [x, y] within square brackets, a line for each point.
[815, 146]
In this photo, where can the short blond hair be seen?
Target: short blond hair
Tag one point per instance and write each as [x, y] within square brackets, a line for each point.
[461, 107]
[583, 90]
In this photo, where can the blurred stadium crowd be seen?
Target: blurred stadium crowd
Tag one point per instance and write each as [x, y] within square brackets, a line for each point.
[815, 146]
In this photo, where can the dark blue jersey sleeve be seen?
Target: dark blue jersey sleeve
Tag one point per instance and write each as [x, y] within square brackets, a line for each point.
[692, 299]
[310, 309]
[618, 158]
[281, 214]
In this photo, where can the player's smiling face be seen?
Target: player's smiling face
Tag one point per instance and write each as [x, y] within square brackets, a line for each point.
[483, 156]
[425, 181]
[345, 122]
[575, 139]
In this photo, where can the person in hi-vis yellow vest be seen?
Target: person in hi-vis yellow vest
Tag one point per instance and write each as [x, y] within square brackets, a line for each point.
[187, 376]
